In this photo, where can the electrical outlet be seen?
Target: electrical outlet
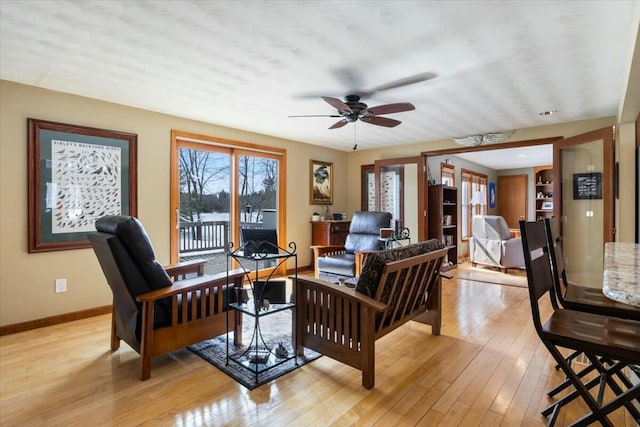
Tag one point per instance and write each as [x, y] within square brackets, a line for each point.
[61, 285]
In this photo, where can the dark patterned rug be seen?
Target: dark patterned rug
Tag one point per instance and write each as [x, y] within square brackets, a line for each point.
[276, 333]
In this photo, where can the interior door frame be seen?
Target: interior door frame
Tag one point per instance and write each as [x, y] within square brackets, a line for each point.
[607, 135]
[420, 161]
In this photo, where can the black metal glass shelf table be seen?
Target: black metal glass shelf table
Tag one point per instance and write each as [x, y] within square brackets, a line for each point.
[394, 241]
[268, 298]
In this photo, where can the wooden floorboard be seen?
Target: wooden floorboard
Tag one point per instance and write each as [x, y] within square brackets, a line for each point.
[488, 368]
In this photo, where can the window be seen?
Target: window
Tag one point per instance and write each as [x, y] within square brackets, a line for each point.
[474, 199]
[448, 174]
[217, 188]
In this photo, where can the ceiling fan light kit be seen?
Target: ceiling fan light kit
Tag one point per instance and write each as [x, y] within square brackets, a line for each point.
[483, 139]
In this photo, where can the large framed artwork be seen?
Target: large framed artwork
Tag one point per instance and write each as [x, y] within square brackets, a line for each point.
[321, 183]
[76, 175]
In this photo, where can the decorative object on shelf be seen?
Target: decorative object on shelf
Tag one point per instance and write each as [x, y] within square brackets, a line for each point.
[320, 183]
[315, 216]
[257, 356]
[281, 351]
[242, 295]
[587, 185]
[547, 205]
[484, 139]
[76, 175]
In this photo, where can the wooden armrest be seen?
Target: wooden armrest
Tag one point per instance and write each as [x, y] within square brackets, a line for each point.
[185, 267]
[323, 250]
[342, 291]
[189, 285]
[360, 255]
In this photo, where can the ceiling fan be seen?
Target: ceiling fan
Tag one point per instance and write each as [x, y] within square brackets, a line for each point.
[352, 109]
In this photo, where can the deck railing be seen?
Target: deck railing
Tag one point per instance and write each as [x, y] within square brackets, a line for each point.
[198, 236]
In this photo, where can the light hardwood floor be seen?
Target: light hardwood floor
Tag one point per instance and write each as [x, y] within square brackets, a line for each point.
[487, 368]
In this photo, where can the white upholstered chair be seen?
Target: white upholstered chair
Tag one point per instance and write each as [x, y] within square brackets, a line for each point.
[491, 244]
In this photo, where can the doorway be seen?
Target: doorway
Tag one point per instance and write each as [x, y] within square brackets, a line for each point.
[512, 198]
[219, 187]
[587, 223]
[583, 168]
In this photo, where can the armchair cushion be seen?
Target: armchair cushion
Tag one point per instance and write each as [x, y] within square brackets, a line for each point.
[339, 264]
[374, 263]
[137, 243]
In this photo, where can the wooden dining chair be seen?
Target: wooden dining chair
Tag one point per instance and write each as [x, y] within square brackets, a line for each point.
[599, 337]
[574, 296]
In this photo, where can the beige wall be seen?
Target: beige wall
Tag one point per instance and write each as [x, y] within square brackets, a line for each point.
[27, 280]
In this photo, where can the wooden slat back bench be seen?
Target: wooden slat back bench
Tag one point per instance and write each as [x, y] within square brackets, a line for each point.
[396, 285]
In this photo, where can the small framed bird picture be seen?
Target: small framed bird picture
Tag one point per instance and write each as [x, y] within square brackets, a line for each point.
[76, 175]
[321, 183]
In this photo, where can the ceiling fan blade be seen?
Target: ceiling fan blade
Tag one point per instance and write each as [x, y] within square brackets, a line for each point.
[319, 115]
[381, 121]
[339, 124]
[391, 108]
[402, 82]
[337, 104]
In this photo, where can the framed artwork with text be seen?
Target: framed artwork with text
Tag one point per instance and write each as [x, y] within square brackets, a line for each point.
[76, 174]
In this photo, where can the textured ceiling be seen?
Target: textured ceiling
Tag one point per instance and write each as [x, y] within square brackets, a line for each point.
[249, 65]
[511, 158]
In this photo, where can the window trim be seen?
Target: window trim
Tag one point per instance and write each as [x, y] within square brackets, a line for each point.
[180, 139]
[449, 170]
[474, 179]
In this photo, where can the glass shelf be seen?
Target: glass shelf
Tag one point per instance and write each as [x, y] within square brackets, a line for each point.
[249, 308]
[260, 355]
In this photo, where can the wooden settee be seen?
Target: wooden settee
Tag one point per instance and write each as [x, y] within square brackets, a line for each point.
[158, 309]
[395, 286]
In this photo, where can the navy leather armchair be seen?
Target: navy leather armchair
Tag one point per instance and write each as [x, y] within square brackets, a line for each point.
[333, 262]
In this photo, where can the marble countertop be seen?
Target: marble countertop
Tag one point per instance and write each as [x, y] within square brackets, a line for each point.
[621, 277]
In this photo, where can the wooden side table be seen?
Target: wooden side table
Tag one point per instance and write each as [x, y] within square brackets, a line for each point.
[325, 233]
